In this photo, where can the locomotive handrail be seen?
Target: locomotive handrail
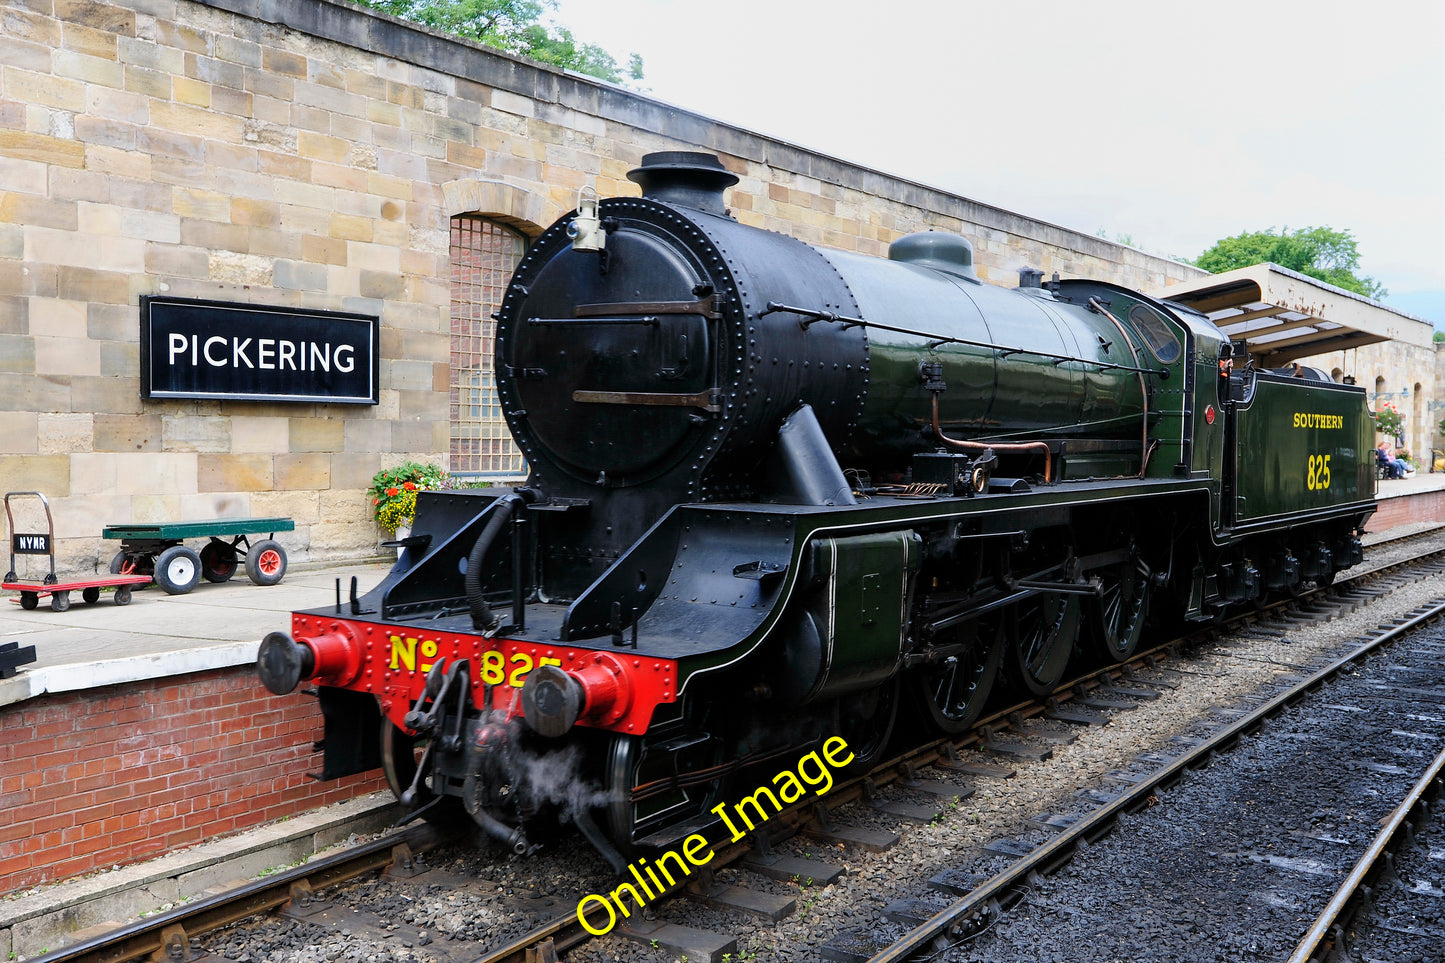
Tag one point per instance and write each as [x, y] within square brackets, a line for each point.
[934, 340]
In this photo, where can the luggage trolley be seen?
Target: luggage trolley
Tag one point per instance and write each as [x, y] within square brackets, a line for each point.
[37, 543]
[158, 548]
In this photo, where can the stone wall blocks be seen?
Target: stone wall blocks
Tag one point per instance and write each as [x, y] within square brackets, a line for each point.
[128, 433]
[35, 26]
[43, 473]
[25, 54]
[234, 473]
[19, 431]
[91, 67]
[382, 285]
[367, 436]
[302, 507]
[272, 244]
[14, 315]
[112, 395]
[268, 434]
[63, 432]
[303, 472]
[183, 432]
[299, 276]
[351, 470]
[171, 263]
[316, 434]
[253, 270]
[119, 359]
[217, 504]
[151, 55]
[216, 238]
[64, 357]
[43, 148]
[247, 53]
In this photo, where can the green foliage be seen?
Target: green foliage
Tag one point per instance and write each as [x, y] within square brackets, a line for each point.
[1439, 336]
[514, 26]
[1318, 252]
[393, 491]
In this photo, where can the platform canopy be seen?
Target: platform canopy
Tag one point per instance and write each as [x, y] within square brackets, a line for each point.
[1283, 315]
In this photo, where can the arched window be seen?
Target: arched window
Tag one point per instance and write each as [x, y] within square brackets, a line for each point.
[484, 254]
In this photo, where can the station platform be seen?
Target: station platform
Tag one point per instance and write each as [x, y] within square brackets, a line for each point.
[216, 625]
[1419, 499]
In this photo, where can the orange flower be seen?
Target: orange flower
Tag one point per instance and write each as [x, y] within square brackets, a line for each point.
[393, 491]
[409, 486]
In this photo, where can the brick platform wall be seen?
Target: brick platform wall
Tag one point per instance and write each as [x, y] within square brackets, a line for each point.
[105, 777]
[1424, 507]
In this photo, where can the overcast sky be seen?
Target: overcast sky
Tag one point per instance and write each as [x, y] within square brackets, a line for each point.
[1173, 124]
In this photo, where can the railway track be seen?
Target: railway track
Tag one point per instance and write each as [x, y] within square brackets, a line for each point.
[780, 872]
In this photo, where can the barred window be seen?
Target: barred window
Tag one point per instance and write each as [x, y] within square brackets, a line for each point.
[484, 255]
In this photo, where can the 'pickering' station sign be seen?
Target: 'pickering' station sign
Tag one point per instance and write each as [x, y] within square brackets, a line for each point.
[248, 352]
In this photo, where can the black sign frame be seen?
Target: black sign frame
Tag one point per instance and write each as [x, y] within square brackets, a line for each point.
[30, 543]
[236, 351]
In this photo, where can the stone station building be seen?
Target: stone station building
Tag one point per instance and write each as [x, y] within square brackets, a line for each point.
[311, 155]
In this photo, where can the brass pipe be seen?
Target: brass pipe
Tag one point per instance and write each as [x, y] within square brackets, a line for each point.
[958, 444]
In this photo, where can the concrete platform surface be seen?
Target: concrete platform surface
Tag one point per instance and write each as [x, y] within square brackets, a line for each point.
[1420, 482]
[157, 635]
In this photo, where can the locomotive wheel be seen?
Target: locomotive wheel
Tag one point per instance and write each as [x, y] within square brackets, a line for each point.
[266, 562]
[624, 758]
[629, 763]
[1047, 627]
[952, 694]
[865, 721]
[178, 569]
[1124, 601]
[400, 752]
[218, 562]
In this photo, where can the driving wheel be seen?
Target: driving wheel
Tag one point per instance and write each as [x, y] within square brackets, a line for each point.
[951, 694]
[1046, 629]
[1123, 604]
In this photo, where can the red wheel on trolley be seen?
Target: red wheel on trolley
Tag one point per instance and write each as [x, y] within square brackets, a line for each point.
[266, 562]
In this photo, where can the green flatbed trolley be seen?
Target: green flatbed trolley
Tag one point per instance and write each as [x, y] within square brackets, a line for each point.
[157, 548]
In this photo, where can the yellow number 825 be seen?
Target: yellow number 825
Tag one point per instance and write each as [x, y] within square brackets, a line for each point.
[1317, 477]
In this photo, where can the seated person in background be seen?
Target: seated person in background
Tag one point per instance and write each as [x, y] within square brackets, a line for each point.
[1395, 468]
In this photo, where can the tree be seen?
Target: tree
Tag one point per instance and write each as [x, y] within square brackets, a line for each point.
[515, 26]
[1319, 252]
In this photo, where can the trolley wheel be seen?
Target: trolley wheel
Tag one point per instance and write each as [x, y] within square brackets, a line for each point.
[29, 600]
[266, 562]
[218, 562]
[91, 595]
[122, 595]
[178, 569]
[60, 601]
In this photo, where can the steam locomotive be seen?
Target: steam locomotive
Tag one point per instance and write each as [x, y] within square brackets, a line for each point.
[778, 492]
